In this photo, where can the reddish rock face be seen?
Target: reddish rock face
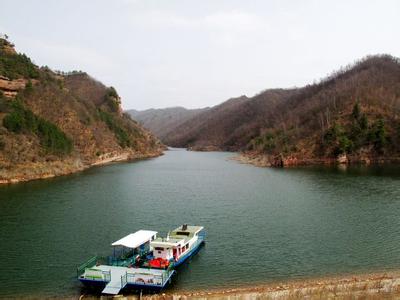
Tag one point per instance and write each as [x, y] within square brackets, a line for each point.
[342, 159]
[10, 88]
[9, 49]
[12, 85]
[10, 94]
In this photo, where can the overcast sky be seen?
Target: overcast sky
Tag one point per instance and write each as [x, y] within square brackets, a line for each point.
[200, 53]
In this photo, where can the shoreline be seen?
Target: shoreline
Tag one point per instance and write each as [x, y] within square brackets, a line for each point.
[263, 160]
[72, 166]
[366, 286]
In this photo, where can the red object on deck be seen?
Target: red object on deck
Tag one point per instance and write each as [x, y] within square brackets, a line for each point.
[159, 263]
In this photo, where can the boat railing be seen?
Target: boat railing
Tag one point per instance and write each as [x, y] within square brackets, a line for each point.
[167, 273]
[124, 280]
[102, 260]
[106, 275]
[88, 264]
[97, 275]
[146, 278]
[120, 262]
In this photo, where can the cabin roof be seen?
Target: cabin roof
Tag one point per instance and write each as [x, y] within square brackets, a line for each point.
[136, 239]
[189, 228]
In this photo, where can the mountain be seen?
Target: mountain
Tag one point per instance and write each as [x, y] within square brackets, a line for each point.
[350, 116]
[54, 123]
[162, 121]
[228, 126]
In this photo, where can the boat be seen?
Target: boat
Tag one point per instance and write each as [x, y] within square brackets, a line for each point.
[142, 260]
[179, 245]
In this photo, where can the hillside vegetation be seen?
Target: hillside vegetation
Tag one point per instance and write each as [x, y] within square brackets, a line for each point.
[228, 126]
[52, 123]
[352, 115]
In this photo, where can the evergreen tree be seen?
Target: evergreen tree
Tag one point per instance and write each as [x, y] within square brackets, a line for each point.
[356, 111]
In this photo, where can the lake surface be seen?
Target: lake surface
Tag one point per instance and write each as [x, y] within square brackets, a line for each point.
[263, 224]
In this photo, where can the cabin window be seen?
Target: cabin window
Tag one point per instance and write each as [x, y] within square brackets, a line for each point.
[183, 233]
[159, 248]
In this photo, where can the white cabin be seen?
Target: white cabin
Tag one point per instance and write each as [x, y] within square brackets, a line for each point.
[177, 243]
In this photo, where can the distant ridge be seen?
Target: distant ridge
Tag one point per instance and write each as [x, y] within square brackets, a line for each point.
[164, 120]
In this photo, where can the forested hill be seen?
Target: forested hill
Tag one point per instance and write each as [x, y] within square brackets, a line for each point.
[54, 123]
[228, 126]
[352, 115]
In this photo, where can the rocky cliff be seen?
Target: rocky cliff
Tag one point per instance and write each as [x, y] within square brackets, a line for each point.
[53, 124]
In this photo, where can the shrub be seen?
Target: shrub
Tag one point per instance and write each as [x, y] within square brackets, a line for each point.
[111, 92]
[332, 134]
[345, 145]
[14, 122]
[20, 119]
[359, 130]
[52, 139]
[356, 113]
[269, 143]
[29, 86]
[17, 65]
[4, 103]
[121, 135]
[112, 99]
[358, 134]
[377, 135]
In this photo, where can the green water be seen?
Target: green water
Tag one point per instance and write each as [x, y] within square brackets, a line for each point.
[263, 224]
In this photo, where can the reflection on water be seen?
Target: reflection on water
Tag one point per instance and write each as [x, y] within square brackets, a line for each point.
[263, 224]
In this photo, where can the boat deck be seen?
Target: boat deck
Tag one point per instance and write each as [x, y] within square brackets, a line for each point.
[117, 269]
[117, 277]
[115, 285]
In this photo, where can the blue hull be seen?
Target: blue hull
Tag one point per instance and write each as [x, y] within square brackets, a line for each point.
[100, 285]
[191, 253]
[93, 284]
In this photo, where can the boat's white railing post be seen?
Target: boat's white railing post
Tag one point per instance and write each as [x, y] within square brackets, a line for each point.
[124, 279]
